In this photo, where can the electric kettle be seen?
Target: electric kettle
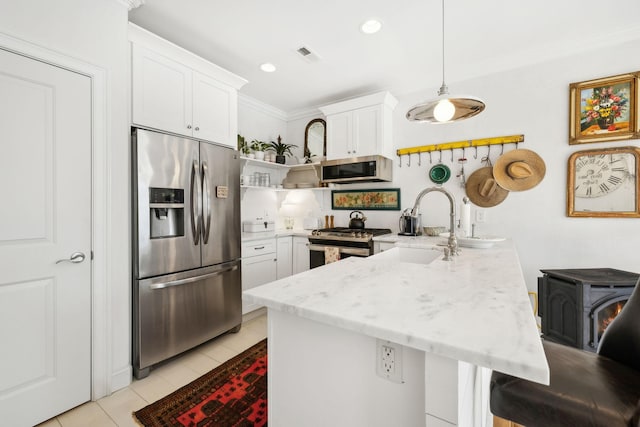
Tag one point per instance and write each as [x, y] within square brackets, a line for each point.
[409, 225]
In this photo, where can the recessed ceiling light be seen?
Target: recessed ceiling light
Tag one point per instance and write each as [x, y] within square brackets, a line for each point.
[268, 67]
[371, 26]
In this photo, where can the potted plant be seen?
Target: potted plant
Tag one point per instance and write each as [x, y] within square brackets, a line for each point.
[258, 148]
[243, 146]
[281, 150]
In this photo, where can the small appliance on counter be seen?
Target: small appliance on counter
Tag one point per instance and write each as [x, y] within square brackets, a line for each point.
[409, 225]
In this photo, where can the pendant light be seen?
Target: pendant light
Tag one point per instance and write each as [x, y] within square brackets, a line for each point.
[446, 108]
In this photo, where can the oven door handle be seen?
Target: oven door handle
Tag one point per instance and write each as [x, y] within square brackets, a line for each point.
[342, 249]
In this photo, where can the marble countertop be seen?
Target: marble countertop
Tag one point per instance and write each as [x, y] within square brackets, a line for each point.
[247, 237]
[409, 240]
[474, 309]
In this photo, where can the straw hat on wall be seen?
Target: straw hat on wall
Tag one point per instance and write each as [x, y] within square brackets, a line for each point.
[483, 190]
[519, 170]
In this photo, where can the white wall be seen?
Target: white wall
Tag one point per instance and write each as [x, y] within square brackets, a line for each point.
[257, 120]
[95, 32]
[532, 101]
[296, 127]
[260, 121]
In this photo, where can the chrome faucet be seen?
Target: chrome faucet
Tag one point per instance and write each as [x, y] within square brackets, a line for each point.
[452, 243]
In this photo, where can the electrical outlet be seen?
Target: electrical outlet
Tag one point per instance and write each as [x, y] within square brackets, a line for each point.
[481, 215]
[389, 361]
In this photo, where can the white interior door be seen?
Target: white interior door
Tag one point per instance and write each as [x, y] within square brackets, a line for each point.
[45, 182]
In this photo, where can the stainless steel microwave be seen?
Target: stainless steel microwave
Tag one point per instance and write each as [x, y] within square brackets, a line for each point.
[357, 169]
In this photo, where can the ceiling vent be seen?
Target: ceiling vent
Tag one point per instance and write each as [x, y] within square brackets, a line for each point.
[307, 54]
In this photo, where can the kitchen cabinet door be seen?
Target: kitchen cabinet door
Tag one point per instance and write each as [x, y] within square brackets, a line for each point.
[173, 97]
[356, 133]
[161, 91]
[257, 271]
[300, 254]
[215, 108]
[284, 265]
[340, 135]
[367, 131]
[360, 126]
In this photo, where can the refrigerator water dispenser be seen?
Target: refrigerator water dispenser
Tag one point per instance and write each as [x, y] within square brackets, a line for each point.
[166, 212]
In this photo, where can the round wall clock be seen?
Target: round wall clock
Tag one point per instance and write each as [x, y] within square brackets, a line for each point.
[604, 183]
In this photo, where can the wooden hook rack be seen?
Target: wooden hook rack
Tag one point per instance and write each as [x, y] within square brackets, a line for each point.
[498, 140]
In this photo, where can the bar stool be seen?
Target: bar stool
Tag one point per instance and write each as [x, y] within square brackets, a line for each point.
[586, 389]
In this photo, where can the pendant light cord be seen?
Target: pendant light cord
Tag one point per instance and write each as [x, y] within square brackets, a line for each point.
[443, 42]
[443, 89]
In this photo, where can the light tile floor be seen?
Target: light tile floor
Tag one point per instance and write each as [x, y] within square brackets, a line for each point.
[117, 409]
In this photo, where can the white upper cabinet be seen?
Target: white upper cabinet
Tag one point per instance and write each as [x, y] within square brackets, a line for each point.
[161, 91]
[360, 126]
[215, 110]
[176, 91]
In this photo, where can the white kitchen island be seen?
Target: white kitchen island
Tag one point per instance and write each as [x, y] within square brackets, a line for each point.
[447, 317]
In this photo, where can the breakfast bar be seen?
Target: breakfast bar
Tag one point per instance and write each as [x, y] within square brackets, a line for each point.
[447, 322]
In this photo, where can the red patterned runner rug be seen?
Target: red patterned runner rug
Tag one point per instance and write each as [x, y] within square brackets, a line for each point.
[232, 395]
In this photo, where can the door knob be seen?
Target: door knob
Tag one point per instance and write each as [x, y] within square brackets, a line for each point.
[76, 258]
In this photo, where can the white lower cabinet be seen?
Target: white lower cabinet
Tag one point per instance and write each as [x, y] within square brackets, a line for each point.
[300, 254]
[258, 267]
[266, 260]
[284, 266]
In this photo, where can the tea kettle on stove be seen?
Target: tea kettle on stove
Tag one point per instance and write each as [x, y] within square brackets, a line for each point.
[409, 224]
[358, 220]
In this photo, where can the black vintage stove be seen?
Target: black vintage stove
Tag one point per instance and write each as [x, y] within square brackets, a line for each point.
[576, 305]
[349, 241]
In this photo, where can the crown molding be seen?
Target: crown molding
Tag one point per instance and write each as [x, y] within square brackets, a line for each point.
[131, 4]
[255, 104]
[307, 113]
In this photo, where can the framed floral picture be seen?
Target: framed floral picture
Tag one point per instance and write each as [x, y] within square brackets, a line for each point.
[380, 199]
[604, 109]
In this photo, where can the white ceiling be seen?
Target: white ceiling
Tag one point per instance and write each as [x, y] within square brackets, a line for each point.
[481, 37]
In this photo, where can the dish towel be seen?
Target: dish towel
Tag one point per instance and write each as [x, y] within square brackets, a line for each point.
[331, 254]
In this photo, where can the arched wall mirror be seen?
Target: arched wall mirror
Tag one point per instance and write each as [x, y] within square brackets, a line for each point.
[315, 138]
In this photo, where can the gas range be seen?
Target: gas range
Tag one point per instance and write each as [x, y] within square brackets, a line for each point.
[357, 242]
[345, 234]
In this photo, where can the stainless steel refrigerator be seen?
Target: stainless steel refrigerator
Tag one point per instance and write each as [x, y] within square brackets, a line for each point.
[186, 228]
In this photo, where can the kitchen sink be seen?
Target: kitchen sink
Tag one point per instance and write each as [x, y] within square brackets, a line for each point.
[414, 255]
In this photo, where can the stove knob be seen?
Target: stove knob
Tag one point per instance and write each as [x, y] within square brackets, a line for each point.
[353, 234]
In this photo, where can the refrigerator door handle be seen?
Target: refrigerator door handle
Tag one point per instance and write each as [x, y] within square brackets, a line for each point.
[192, 279]
[195, 203]
[206, 204]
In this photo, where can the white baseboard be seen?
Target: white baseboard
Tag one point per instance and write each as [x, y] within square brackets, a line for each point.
[121, 379]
